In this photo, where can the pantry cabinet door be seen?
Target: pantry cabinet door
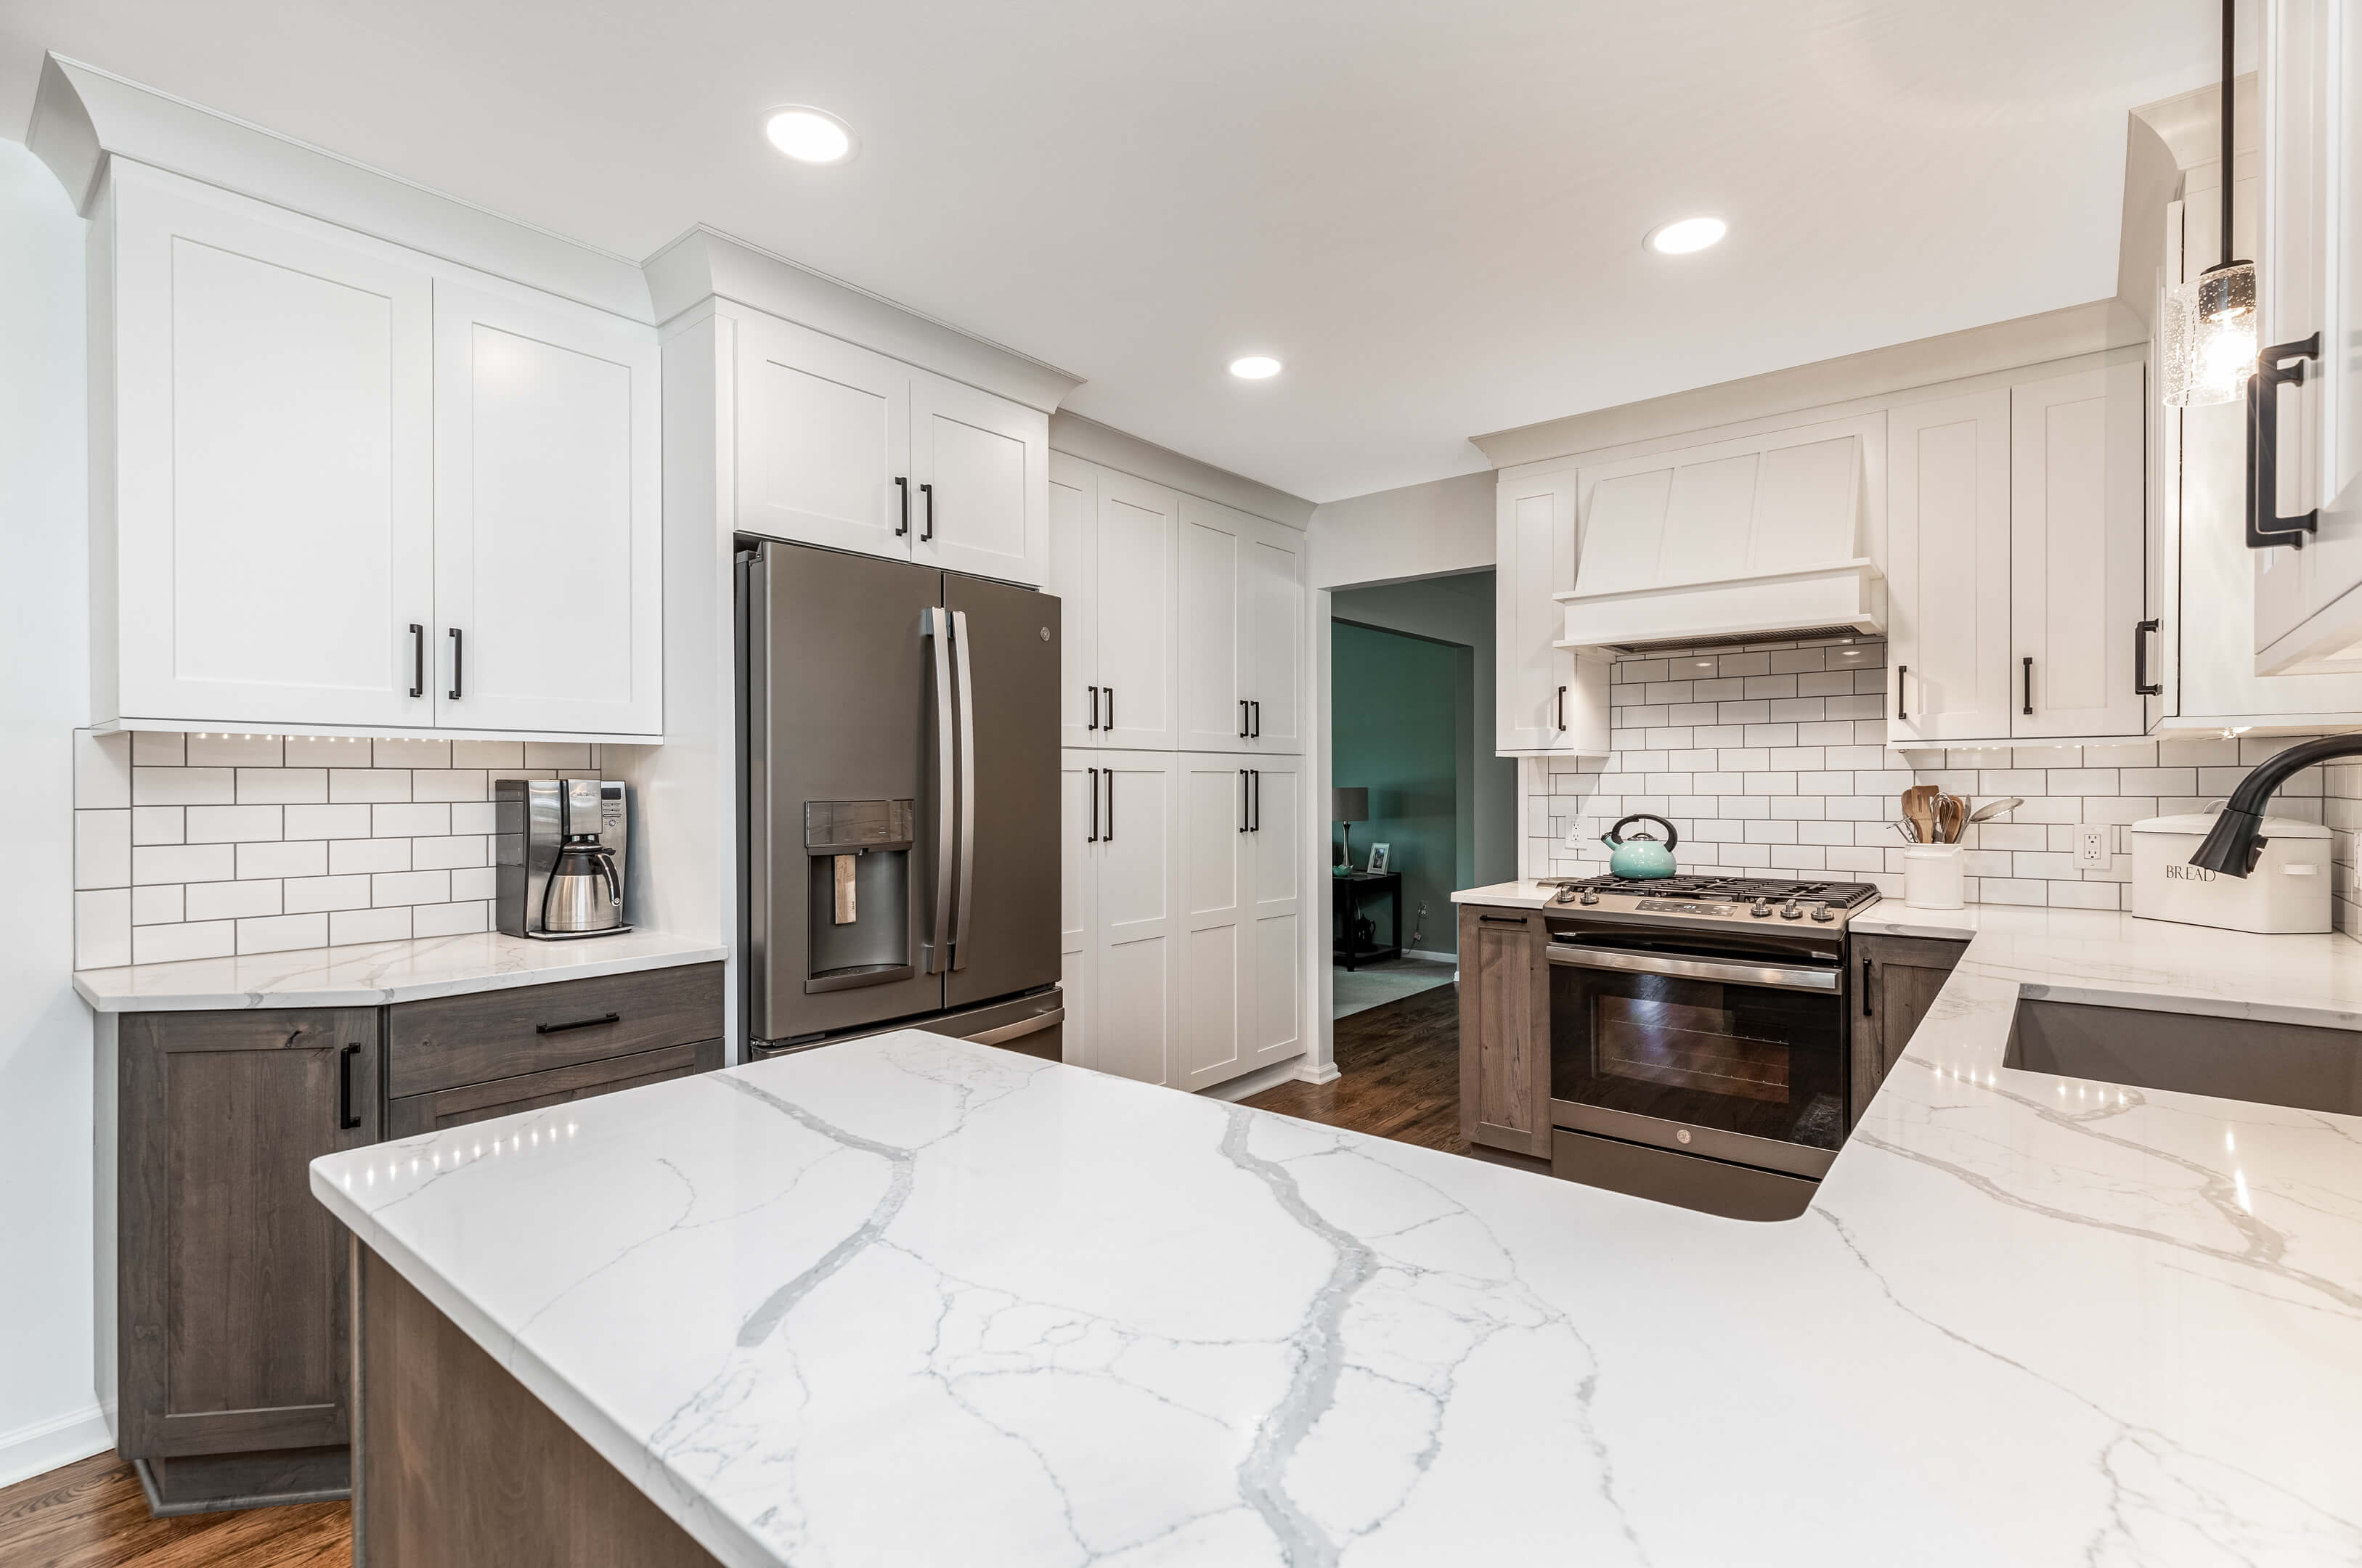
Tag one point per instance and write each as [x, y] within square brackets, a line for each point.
[2077, 522]
[1217, 958]
[1078, 868]
[1535, 679]
[1135, 606]
[1136, 932]
[1272, 1005]
[1948, 533]
[548, 565]
[273, 529]
[1271, 607]
[1214, 542]
[824, 432]
[979, 470]
[1074, 578]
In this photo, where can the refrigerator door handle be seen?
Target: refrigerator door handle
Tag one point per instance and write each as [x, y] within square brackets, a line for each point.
[939, 630]
[966, 790]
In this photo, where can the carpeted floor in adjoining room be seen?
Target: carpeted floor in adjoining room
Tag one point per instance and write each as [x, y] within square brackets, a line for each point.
[1391, 979]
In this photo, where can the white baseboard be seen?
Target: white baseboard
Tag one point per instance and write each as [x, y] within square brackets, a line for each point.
[1326, 1072]
[40, 1448]
[1257, 1081]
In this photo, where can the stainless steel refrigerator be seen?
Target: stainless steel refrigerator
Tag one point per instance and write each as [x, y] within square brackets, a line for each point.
[899, 802]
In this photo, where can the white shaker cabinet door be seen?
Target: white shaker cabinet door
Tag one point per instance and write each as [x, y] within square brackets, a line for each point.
[1135, 605]
[272, 455]
[1078, 868]
[1271, 609]
[1271, 1002]
[1217, 958]
[1947, 569]
[548, 562]
[1074, 578]
[1214, 542]
[1135, 929]
[1535, 679]
[2077, 533]
[824, 432]
[979, 471]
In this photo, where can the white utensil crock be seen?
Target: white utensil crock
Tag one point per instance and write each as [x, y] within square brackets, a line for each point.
[1931, 877]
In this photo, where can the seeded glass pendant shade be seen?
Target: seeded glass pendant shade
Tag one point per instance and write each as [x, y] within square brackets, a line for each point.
[2209, 331]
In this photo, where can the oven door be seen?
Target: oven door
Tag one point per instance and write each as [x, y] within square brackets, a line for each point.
[1738, 1058]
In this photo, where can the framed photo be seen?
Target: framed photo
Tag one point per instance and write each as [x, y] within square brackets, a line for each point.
[1379, 854]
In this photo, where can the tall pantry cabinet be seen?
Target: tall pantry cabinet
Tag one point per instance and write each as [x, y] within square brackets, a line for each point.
[1183, 719]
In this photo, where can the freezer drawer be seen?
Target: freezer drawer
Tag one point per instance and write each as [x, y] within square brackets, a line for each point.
[1030, 1025]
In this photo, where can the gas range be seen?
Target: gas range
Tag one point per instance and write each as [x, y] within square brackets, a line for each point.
[1718, 901]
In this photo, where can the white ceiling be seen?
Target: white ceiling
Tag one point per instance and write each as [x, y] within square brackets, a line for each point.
[1433, 214]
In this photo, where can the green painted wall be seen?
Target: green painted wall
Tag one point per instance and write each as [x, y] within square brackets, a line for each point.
[1397, 708]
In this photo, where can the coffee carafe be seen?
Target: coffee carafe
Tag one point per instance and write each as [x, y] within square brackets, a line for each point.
[583, 893]
[559, 855]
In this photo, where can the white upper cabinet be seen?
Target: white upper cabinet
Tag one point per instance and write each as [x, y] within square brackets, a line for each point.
[272, 455]
[548, 567]
[323, 455]
[840, 445]
[1948, 523]
[1549, 702]
[1132, 601]
[980, 466]
[823, 440]
[1241, 629]
[1073, 576]
[2077, 529]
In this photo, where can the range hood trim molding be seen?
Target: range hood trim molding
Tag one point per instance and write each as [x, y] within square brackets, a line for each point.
[1847, 594]
[1860, 565]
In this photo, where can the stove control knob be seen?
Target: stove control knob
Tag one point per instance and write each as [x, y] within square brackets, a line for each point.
[1762, 909]
[1792, 911]
[1589, 897]
[1823, 914]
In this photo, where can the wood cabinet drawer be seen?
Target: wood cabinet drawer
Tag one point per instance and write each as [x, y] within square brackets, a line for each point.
[555, 1086]
[454, 1041]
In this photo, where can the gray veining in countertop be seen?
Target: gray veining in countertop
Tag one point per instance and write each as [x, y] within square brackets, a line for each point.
[911, 1300]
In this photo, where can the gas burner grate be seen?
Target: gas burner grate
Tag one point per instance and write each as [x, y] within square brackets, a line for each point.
[1733, 889]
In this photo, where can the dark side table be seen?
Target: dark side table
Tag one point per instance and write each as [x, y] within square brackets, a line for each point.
[1347, 894]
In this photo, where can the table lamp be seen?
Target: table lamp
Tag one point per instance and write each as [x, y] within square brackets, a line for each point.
[1353, 806]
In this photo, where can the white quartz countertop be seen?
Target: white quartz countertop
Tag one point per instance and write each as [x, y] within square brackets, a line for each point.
[1519, 895]
[377, 972]
[909, 1300]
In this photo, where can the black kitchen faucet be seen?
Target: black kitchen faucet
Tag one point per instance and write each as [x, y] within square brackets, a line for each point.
[2235, 842]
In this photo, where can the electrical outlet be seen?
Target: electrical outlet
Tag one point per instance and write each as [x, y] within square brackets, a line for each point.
[2090, 847]
[1575, 838]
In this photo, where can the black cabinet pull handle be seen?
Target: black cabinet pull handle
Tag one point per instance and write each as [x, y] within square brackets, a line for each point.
[2028, 663]
[902, 483]
[1256, 773]
[1095, 804]
[417, 659]
[1501, 920]
[1562, 709]
[1902, 676]
[1242, 718]
[346, 1120]
[1110, 718]
[456, 645]
[578, 1023]
[1256, 730]
[929, 491]
[2142, 685]
[2266, 527]
[1109, 836]
[1865, 988]
[1242, 800]
[1095, 709]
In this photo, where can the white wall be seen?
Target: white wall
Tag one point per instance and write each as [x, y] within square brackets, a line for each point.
[1420, 530]
[48, 1413]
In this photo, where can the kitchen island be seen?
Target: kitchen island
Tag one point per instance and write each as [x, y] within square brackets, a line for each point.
[909, 1300]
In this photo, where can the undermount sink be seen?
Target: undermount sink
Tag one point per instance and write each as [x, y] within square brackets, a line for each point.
[2292, 1064]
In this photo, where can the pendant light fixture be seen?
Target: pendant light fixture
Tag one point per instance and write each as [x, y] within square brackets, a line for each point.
[2210, 325]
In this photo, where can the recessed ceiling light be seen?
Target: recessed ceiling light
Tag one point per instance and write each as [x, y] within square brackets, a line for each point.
[808, 136]
[1254, 367]
[1688, 235]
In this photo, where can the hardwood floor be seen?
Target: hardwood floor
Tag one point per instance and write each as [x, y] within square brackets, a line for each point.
[91, 1514]
[1400, 1067]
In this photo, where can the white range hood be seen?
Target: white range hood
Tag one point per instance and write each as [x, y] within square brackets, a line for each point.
[1748, 539]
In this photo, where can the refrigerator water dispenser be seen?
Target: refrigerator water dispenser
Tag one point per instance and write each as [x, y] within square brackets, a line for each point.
[858, 856]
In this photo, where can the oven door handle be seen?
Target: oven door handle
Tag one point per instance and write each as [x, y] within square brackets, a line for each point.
[1772, 975]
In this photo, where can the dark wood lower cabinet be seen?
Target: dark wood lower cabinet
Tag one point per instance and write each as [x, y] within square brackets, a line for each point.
[461, 1464]
[555, 1086]
[232, 1356]
[1504, 1063]
[1895, 980]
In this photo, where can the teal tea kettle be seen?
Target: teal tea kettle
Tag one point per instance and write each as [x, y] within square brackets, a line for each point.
[1640, 857]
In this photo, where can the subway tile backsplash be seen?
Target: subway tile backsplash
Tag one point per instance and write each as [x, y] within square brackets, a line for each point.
[1771, 760]
[203, 847]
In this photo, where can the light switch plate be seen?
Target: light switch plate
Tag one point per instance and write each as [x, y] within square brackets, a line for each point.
[2091, 846]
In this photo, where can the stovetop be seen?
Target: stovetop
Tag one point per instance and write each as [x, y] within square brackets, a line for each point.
[1748, 900]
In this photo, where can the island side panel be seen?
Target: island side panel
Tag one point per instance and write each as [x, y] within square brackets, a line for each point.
[458, 1462]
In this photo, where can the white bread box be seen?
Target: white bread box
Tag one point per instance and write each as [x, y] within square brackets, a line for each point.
[2287, 893]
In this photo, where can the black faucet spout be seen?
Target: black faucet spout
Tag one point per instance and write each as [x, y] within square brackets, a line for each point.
[2235, 843]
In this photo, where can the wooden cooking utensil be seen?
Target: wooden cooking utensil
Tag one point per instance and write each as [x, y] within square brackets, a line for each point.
[1919, 811]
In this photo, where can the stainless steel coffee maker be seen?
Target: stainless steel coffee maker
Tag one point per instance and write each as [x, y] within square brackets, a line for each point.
[558, 854]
